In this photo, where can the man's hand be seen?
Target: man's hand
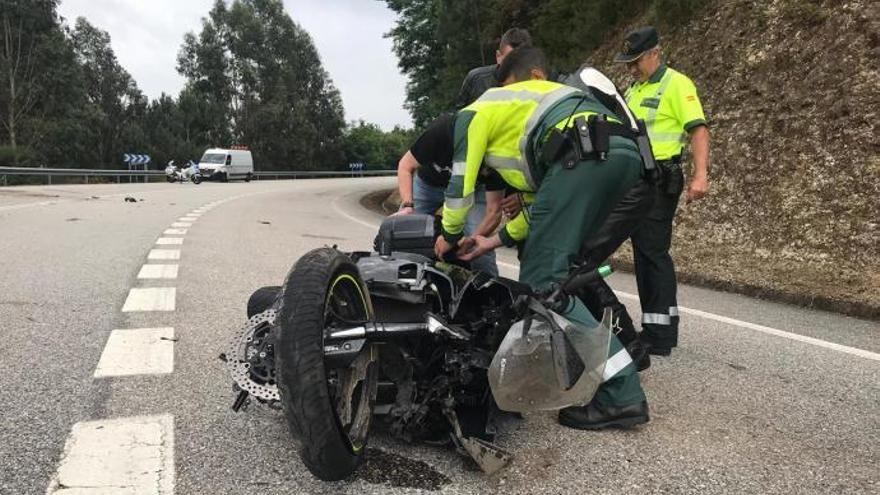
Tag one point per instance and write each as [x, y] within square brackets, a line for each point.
[465, 245]
[698, 188]
[482, 245]
[441, 247]
[406, 210]
[512, 205]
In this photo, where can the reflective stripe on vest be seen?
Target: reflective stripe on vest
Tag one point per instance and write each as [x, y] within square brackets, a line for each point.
[651, 118]
[545, 104]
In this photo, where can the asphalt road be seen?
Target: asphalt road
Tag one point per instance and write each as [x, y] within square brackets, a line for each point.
[758, 398]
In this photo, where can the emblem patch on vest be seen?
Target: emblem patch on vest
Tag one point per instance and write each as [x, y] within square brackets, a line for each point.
[651, 102]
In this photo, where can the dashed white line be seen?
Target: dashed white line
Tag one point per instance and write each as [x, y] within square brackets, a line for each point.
[139, 351]
[119, 456]
[150, 299]
[164, 254]
[181, 224]
[169, 240]
[174, 232]
[186, 219]
[158, 271]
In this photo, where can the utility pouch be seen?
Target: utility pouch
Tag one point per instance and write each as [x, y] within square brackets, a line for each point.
[652, 173]
[673, 178]
[555, 146]
[581, 135]
[600, 136]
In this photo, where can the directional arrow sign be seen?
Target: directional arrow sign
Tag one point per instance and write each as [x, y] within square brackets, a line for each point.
[126, 158]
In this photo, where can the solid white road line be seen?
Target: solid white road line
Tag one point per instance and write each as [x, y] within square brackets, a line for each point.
[118, 456]
[174, 232]
[769, 330]
[140, 351]
[178, 225]
[169, 240]
[150, 299]
[158, 271]
[164, 254]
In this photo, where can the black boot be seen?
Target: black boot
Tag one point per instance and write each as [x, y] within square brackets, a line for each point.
[640, 354]
[595, 417]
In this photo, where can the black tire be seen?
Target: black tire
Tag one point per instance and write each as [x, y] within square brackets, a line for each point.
[224, 177]
[170, 179]
[262, 299]
[325, 444]
[248, 177]
[197, 179]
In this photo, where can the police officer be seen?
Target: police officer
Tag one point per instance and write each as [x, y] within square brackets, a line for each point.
[668, 103]
[516, 130]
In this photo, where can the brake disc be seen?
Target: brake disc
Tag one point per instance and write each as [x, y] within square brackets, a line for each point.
[251, 357]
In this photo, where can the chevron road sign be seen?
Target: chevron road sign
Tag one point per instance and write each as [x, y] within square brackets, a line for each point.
[133, 159]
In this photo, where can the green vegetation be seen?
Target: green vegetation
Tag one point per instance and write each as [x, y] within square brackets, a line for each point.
[438, 41]
[253, 76]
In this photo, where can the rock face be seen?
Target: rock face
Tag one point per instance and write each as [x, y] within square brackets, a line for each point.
[791, 89]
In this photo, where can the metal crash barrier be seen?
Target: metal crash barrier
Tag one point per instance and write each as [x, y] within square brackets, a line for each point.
[86, 173]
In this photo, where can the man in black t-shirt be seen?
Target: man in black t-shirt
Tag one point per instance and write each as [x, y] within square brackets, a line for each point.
[480, 79]
[423, 174]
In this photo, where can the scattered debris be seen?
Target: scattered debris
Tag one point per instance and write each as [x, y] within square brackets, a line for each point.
[129, 199]
[264, 222]
[73, 219]
[384, 468]
[175, 339]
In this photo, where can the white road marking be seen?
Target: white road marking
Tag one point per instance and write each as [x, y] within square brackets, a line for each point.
[164, 254]
[158, 271]
[193, 214]
[169, 240]
[181, 224]
[174, 232]
[854, 351]
[187, 219]
[126, 456]
[150, 299]
[140, 351]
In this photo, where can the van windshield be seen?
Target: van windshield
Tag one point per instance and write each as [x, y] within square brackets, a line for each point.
[213, 158]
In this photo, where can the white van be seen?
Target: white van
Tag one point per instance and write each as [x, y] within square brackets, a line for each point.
[227, 164]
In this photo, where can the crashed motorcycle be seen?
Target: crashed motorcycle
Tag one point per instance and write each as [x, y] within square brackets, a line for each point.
[436, 352]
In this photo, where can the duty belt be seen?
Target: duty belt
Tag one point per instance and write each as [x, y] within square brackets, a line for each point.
[590, 140]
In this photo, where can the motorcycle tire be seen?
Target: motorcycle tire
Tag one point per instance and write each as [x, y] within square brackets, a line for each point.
[324, 287]
[197, 179]
[248, 177]
[170, 179]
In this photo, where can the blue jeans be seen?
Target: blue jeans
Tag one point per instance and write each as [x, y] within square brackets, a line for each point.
[427, 199]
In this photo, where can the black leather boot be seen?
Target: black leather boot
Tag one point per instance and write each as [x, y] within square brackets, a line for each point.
[595, 417]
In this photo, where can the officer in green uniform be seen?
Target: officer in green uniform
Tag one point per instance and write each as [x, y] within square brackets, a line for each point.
[668, 103]
[514, 130]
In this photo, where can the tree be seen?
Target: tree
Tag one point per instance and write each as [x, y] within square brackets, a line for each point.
[260, 73]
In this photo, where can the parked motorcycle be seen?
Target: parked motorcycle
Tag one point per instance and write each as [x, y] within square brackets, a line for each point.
[441, 354]
[173, 173]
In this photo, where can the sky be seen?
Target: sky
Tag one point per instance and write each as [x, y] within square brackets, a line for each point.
[146, 36]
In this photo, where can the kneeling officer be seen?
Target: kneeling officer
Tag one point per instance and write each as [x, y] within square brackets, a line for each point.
[565, 146]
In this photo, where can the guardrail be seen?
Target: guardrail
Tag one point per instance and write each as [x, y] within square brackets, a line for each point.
[88, 172]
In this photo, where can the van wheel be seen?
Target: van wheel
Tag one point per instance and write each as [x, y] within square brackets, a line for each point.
[248, 177]
[224, 177]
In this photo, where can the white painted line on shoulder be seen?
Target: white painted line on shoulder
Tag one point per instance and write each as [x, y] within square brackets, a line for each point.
[174, 232]
[170, 240]
[158, 271]
[119, 456]
[181, 224]
[140, 351]
[854, 351]
[164, 254]
[150, 299]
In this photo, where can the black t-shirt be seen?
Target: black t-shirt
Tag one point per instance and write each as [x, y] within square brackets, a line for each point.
[433, 150]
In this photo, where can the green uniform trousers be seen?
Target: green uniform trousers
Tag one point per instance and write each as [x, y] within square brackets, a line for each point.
[570, 206]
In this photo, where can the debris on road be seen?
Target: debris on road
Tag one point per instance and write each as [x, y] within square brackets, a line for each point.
[129, 199]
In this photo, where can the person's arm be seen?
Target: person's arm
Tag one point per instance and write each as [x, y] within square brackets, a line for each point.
[406, 169]
[471, 138]
[493, 213]
[699, 185]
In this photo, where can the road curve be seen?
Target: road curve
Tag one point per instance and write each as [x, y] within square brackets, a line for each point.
[759, 397]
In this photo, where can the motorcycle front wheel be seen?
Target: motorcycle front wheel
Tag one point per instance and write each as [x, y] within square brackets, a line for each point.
[197, 179]
[328, 410]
